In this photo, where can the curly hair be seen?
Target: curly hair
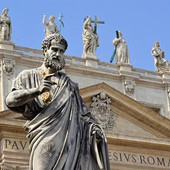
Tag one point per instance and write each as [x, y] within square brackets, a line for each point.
[58, 37]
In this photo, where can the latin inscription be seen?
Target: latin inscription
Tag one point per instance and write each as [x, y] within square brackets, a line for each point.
[139, 159]
[12, 144]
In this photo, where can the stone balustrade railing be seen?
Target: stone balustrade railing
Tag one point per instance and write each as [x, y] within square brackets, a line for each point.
[82, 61]
[146, 73]
[28, 51]
[75, 60]
[108, 66]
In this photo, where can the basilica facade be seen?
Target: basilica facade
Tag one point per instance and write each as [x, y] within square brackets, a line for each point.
[132, 105]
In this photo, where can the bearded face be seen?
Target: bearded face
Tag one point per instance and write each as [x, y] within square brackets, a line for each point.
[54, 59]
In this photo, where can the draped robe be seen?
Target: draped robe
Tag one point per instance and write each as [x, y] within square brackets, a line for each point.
[60, 133]
[159, 59]
[122, 52]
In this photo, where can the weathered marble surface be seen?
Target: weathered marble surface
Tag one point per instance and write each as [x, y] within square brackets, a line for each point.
[51, 27]
[62, 132]
[122, 52]
[5, 26]
[159, 58]
[90, 39]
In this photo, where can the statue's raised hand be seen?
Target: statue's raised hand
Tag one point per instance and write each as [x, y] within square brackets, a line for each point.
[46, 84]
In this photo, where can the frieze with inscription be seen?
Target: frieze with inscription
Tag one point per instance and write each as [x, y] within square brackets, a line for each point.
[14, 144]
[139, 159]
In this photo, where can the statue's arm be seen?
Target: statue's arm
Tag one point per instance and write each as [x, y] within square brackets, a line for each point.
[44, 20]
[115, 41]
[86, 23]
[20, 97]
[155, 52]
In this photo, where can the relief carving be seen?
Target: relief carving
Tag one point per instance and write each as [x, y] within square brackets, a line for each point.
[8, 65]
[100, 108]
[129, 86]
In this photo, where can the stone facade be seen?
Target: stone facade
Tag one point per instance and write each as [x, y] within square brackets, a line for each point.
[136, 104]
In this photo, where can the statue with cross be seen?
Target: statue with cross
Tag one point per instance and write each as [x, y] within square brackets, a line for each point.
[90, 36]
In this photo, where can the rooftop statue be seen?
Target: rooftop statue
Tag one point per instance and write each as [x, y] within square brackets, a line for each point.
[5, 26]
[159, 58]
[63, 134]
[51, 27]
[90, 36]
[121, 49]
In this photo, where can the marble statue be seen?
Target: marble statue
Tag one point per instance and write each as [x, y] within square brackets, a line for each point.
[90, 39]
[122, 52]
[51, 27]
[5, 26]
[159, 58]
[62, 133]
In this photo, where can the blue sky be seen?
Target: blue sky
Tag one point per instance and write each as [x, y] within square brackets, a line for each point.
[141, 21]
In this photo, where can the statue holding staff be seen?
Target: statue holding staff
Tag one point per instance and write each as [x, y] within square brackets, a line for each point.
[90, 36]
[122, 52]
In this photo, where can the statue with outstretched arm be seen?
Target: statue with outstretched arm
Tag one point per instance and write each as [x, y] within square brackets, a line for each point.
[51, 27]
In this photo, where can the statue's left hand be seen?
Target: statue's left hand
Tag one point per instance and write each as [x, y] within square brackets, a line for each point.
[99, 134]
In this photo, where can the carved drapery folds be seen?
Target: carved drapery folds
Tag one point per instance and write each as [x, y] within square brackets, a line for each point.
[100, 108]
[8, 66]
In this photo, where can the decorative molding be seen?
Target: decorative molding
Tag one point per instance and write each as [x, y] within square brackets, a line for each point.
[100, 108]
[8, 66]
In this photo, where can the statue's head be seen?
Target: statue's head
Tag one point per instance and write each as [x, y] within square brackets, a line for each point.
[102, 95]
[156, 44]
[52, 18]
[53, 47]
[5, 11]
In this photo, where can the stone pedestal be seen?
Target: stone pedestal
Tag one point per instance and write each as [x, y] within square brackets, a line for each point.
[6, 45]
[165, 74]
[125, 67]
[91, 60]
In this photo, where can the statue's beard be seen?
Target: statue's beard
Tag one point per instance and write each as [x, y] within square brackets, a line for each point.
[54, 62]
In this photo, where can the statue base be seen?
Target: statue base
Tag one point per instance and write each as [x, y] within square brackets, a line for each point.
[89, 55]
[6, 45]
[165, 74]
[125, 67]
[91, 60]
